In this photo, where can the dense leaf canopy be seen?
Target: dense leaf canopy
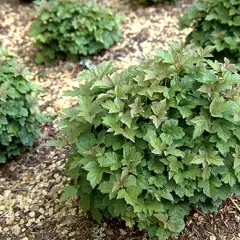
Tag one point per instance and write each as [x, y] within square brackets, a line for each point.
[19, 113]
[216, 23]
[74, 28]
[153, 140]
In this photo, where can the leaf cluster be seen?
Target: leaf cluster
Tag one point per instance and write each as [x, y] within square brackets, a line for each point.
[215, 23]
[151, 141]
[73, 28]
[19, 113]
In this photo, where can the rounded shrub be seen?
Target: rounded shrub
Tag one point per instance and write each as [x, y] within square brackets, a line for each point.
[154, 140]
[215, 23]
[20, 117]
[74, 28]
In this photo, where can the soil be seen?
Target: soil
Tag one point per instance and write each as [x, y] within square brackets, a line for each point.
[31, 185]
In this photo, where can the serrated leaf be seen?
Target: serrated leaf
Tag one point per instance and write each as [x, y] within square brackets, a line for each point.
[126, 119]
[110, 159]
[95, 172]
[115, 106]
[159, 110]
[208, 158]
[229, 178]
[210, 186]
[4, 91]
[68, 191]
[222, 129]
[201, 123]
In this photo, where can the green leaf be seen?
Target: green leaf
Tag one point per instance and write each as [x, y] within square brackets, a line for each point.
[167, 195]
[208, 157]
[4, 91]
[236, 157]
[113, 107]
[85, 202]
[96, 214]
[210, 186]
[128, 195]
[68, 191]
[106, 187]
[222, 129]
[57, 143]
[130, 155]
[110, 159]
[95, 172]
[171, 131]
[201, 123]
[159, 110]
[229, 178]
[136, 107]
[157, 145]
[126, 119]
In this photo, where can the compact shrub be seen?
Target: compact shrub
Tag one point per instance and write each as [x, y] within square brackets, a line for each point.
[215, 23]
[20, 117]
[74, 28]
[154, 140]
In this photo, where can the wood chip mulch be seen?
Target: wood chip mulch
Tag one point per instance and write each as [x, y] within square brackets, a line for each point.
[31, 185]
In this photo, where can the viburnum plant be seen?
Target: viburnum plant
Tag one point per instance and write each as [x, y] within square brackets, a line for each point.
[73, 28]
[154, 140]
[215, 23]
[20, 116]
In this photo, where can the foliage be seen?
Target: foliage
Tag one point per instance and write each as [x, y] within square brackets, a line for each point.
[73, 28]
[151, 141]
[19, 114]
[216, 23]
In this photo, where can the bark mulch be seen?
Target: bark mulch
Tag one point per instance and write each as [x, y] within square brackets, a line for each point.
[31, 185]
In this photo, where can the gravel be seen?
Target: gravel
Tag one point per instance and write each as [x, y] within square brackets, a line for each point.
[31, 185]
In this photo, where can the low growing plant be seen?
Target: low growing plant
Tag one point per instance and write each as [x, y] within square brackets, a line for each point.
[20, 117]
[215, 23]
[154, 140]
[73, 28]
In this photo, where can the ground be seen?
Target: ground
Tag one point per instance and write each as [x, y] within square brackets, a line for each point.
[31, 185]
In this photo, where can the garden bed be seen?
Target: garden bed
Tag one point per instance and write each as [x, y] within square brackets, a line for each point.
[31, 185]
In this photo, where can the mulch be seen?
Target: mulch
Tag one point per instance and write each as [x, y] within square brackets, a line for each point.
[31, 185]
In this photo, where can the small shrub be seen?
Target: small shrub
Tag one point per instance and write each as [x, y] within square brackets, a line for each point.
[19, 114]
[215, 23]
[73, 28]
[154, 140]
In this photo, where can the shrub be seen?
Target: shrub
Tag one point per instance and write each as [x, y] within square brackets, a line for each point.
[215, 23]
[154, 140]
[19, 114]
[73, 28]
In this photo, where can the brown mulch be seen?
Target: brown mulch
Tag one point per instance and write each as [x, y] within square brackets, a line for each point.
[31, 185]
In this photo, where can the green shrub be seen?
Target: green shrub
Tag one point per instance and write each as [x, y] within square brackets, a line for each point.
[154, 140]
[73, 28]
[19, 114]
[215, 23]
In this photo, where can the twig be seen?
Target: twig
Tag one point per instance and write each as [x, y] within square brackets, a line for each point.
[201, 213]
[238, 208]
